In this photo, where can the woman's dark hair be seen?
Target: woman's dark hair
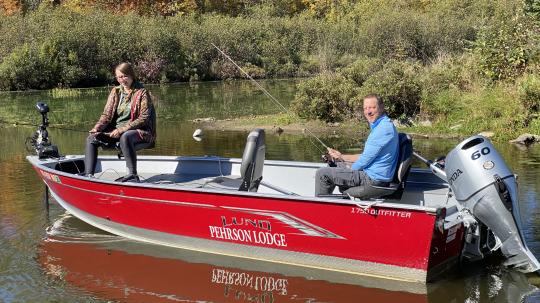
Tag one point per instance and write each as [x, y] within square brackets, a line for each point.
[126, 69]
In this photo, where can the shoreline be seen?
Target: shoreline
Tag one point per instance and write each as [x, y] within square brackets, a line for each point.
[283, 123]
[273, 124]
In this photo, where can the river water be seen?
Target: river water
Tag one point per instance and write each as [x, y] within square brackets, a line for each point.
[46, 255]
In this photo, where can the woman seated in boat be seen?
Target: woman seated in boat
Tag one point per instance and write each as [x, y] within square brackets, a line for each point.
[128, 122]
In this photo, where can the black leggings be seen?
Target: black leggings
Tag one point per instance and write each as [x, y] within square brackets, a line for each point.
[130, 142]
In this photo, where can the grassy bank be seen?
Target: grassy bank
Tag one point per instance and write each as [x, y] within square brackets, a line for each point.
[490, 110]
[507, 109]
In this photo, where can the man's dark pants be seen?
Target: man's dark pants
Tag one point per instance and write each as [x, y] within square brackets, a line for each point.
[327, 178]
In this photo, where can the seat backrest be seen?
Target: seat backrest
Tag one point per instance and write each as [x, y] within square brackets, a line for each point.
[404, 158]
[395, 191]
[253, 160]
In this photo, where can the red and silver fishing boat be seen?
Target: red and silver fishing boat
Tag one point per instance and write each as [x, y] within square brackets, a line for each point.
[424, 223]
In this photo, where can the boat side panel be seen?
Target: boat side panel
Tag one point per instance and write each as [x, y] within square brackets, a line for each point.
[251, 252]
[378, 234]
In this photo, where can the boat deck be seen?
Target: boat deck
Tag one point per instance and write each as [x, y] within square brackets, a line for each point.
[423, 188]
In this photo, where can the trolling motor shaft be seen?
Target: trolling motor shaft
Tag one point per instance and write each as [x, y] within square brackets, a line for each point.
[40, 140]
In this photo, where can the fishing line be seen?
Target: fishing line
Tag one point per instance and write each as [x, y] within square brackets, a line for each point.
[37, 125]
[271, 97]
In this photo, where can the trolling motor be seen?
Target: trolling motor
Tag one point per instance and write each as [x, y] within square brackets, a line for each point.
[40, 140]
[483, 184]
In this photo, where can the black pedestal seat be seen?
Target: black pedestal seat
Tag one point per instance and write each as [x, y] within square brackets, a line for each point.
[393, 189]
[116, 146]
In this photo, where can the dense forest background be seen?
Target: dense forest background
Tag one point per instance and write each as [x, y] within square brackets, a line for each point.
[436, 63]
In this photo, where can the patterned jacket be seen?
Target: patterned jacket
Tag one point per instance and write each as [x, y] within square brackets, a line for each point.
[143, 115]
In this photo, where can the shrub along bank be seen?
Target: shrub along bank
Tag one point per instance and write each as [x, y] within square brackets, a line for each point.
[491, 85]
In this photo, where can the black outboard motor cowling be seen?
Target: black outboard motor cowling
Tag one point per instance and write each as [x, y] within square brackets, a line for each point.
[482, 183]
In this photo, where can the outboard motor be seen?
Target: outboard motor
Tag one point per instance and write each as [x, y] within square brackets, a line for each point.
[482, 183]
[40, 140]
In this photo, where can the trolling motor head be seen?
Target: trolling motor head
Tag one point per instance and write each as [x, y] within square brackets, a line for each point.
[40, 140]
[482, 182]
[42, 107]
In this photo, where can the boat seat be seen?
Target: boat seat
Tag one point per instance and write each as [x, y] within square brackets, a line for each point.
[116, 146]
[394, 189]
[138, 146]
[251, 168]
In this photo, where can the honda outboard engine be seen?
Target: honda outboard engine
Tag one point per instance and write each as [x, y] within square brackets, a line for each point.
[482, 183]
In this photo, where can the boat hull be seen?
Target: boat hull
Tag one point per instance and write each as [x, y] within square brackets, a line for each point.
[384, 240]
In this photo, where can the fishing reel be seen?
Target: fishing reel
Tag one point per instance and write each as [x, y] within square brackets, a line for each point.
[39, 141]
[326, 158]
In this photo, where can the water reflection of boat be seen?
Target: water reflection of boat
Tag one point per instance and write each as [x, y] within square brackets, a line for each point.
[114, 268]
[135, 272]
[265, 210]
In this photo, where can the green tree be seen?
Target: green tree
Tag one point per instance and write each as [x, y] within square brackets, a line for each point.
[505, 49]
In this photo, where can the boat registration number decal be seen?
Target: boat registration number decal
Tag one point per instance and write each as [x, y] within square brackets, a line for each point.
[452, 233]
[50, 177]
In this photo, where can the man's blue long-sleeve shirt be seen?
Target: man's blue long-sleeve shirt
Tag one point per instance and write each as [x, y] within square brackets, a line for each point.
[380, 155]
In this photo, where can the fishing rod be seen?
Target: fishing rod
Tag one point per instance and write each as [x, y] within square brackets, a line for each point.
[271, 97]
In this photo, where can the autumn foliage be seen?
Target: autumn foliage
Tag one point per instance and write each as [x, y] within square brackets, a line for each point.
[10, 7]
[167, 7]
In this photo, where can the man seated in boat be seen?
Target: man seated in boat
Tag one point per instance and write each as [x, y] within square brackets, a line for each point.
[377, 163]
[128, 120]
